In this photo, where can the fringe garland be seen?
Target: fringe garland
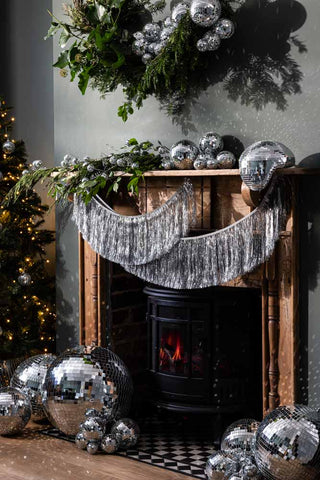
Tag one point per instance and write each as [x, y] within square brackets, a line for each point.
[221, 256]
[135, 239]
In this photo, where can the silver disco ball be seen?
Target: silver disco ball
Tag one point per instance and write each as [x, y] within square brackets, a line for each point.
[226, 159]
[211, 143]
[127, 432]
[287, 444]
[219, 464]
[15, 411]
[259, 161]
[183, 154]
[29, 377]
[205, 12]
[83, 378]
[240, 435]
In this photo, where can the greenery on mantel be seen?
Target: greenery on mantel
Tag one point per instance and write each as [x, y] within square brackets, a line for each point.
[89, 177]
[96, 43]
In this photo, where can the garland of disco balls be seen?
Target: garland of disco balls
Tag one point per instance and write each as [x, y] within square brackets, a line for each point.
[103, 49]
[205, 13]
[221, 256]
[135, 239]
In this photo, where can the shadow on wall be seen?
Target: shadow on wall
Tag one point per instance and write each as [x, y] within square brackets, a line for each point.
[255, 65]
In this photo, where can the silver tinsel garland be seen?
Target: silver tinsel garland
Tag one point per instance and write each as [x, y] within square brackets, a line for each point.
[218, 257]
[135, 239]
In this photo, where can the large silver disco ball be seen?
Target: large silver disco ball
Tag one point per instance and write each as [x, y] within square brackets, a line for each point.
[83, 378]
[29, 377]
[15, 411]
[259, 161]
[183, 154]
[240, 435]
[287, 444]
[219, 464]
[205, 12]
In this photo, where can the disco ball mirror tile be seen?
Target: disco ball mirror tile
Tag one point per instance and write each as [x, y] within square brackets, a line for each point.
[288, 444]
[80, 379]
[15, 411]
[29, 377]
[240, 435]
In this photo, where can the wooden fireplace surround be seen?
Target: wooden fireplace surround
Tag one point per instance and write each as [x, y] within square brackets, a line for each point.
[221, 199]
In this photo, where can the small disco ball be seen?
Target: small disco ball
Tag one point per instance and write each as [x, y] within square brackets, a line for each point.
[211, 143]
[240, 435]
[200, 163]
[15, 411]
[93, 428]
[183, 154]
[83, 378]
[109, 443]
[179, 11]
[226, 160]
[219, 464]
[224, 28]
[127, 432]
[212, 40]
[205, 12]
[37, 164]
[287, 444]
[24, 279]
[8, 147]
[259, 161]
[29, 377]
[151, 32]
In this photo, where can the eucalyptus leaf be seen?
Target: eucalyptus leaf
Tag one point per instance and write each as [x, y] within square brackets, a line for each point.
[62, 60]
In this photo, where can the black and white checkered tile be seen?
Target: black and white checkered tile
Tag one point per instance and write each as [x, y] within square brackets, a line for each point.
[162, 446]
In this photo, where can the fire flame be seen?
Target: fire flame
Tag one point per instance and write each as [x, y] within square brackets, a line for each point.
[177, 354]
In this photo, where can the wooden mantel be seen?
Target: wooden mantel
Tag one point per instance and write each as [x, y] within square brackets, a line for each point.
[221, 200]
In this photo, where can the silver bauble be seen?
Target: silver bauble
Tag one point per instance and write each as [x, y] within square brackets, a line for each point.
[67, 158]
[113, 160]
[183, 154]
[166, 33]
[240, 435]
[135, 165]
[259, 161]
[74, 161]
[212, 163]
[167, 164]
[127, 432]
[29, 377]
[158, 47]
[25, 172]
[151, 47]
[139, 47]
[146, 58]
[200, 163]
[167, 22]
[205, 12]
[288, 444]
[24, 279]
[83, 378]
[213, 41]
[64, 163]
[109, 443]
[93, 428]
[211, 143]
[121, 162]
[218, 464]
[15, 411]
[151, 32]
[80, 441]
[8, 147]
[226, 160]
[138, 35]
[202, 45]
[224, 28]
[92, 448]
[37, 164]
[90, 168]
[179, 11]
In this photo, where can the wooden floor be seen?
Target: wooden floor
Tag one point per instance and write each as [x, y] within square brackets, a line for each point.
[32, 456]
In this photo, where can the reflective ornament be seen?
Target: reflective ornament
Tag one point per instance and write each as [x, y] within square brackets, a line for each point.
[211, 143]
[92, 448]
[179, 12]
[127, 432]
[29, 377]
[24, 279]
[36, 164]
[205, 12]
[90, 168]
[121, 162]
[15, 411]
[67, 158]
[25, 172]
[138, 35]
[135, 165]
[93, 428]
[167, 22]
[212, 163]
[80, 441]
[202, 45]
[151, 32]
[146, 58]
[224, 28]
[200, 163]
[83, 378]
[109, 443]
[240, 435]
[86, 158]
[139, 47]
[288, 444]
[151, 47]
[226, 160]
[167, 164]
[218, 464]
[1, 176]
[167, 32]
[183, 154]
[8, 147]
[64, 163]
[92, 412]
[113, 160]
[158, 47]
[259, 161]
[212, 40]
[74, 161]
[84, 180]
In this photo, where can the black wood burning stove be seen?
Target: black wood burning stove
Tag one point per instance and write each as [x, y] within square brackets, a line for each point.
[205, 349]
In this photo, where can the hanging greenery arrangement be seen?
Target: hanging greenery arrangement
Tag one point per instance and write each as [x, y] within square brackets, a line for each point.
[103, 45]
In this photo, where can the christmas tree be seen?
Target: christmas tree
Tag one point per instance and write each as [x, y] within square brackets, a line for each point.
[27, 319]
